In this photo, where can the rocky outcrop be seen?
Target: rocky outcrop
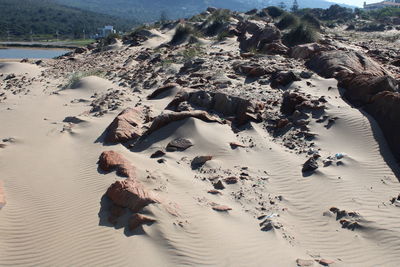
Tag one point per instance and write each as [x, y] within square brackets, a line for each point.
[360, 88]
[334, 64]
[235, 109]
[111, 160]
[255, 34]
[130, 194]
[385, 108]
[366, 83]
[166, 118]
[293, 101]
[126, 126]
[306, 51]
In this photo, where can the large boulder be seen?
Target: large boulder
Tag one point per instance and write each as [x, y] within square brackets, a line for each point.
[126, 126]
[385, 108]
[130, 194]
[334, 64]
[235, 109]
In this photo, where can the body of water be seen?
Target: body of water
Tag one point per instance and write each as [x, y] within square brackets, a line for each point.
[36, 53]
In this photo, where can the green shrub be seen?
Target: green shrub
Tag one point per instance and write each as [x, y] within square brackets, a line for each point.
[311, 20]
[302, 34]
[274, 11]
[75, 77]
[223, 35]
[183, 32]
[288, 21]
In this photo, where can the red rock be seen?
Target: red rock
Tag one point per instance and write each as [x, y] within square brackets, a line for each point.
[235, 145]
[126, 126]
[111, 160]
[138, 219]
[325, 262]
[214, 192]
[2, 195]
[221, 208]
[130, 194]
[304, 263]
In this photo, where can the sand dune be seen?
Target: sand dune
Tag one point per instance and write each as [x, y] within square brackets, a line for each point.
[57, 213]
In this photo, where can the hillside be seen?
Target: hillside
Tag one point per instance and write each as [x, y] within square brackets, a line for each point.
[145, 11]
[45, 17]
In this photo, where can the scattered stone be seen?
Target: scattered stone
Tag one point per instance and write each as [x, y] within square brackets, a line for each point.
[235, 145]
[325, 262]
[231, 180]
[199, 161]
[304, 263]
[221, 208]
[280, 79]
[214, 192]
[157, 154]
[219, 185]
[310, 165]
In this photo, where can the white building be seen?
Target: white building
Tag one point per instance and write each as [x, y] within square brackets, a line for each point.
[106, 31]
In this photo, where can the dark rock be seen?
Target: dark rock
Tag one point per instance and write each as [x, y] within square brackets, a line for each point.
[219, 185]
[237, 109]
[179, 144]
[310, 165]
[221, 208]
[157, 154]
[199, 161]
[279, 79]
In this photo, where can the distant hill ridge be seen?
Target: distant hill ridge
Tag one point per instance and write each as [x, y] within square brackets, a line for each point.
[18, 18]
[150, 10]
